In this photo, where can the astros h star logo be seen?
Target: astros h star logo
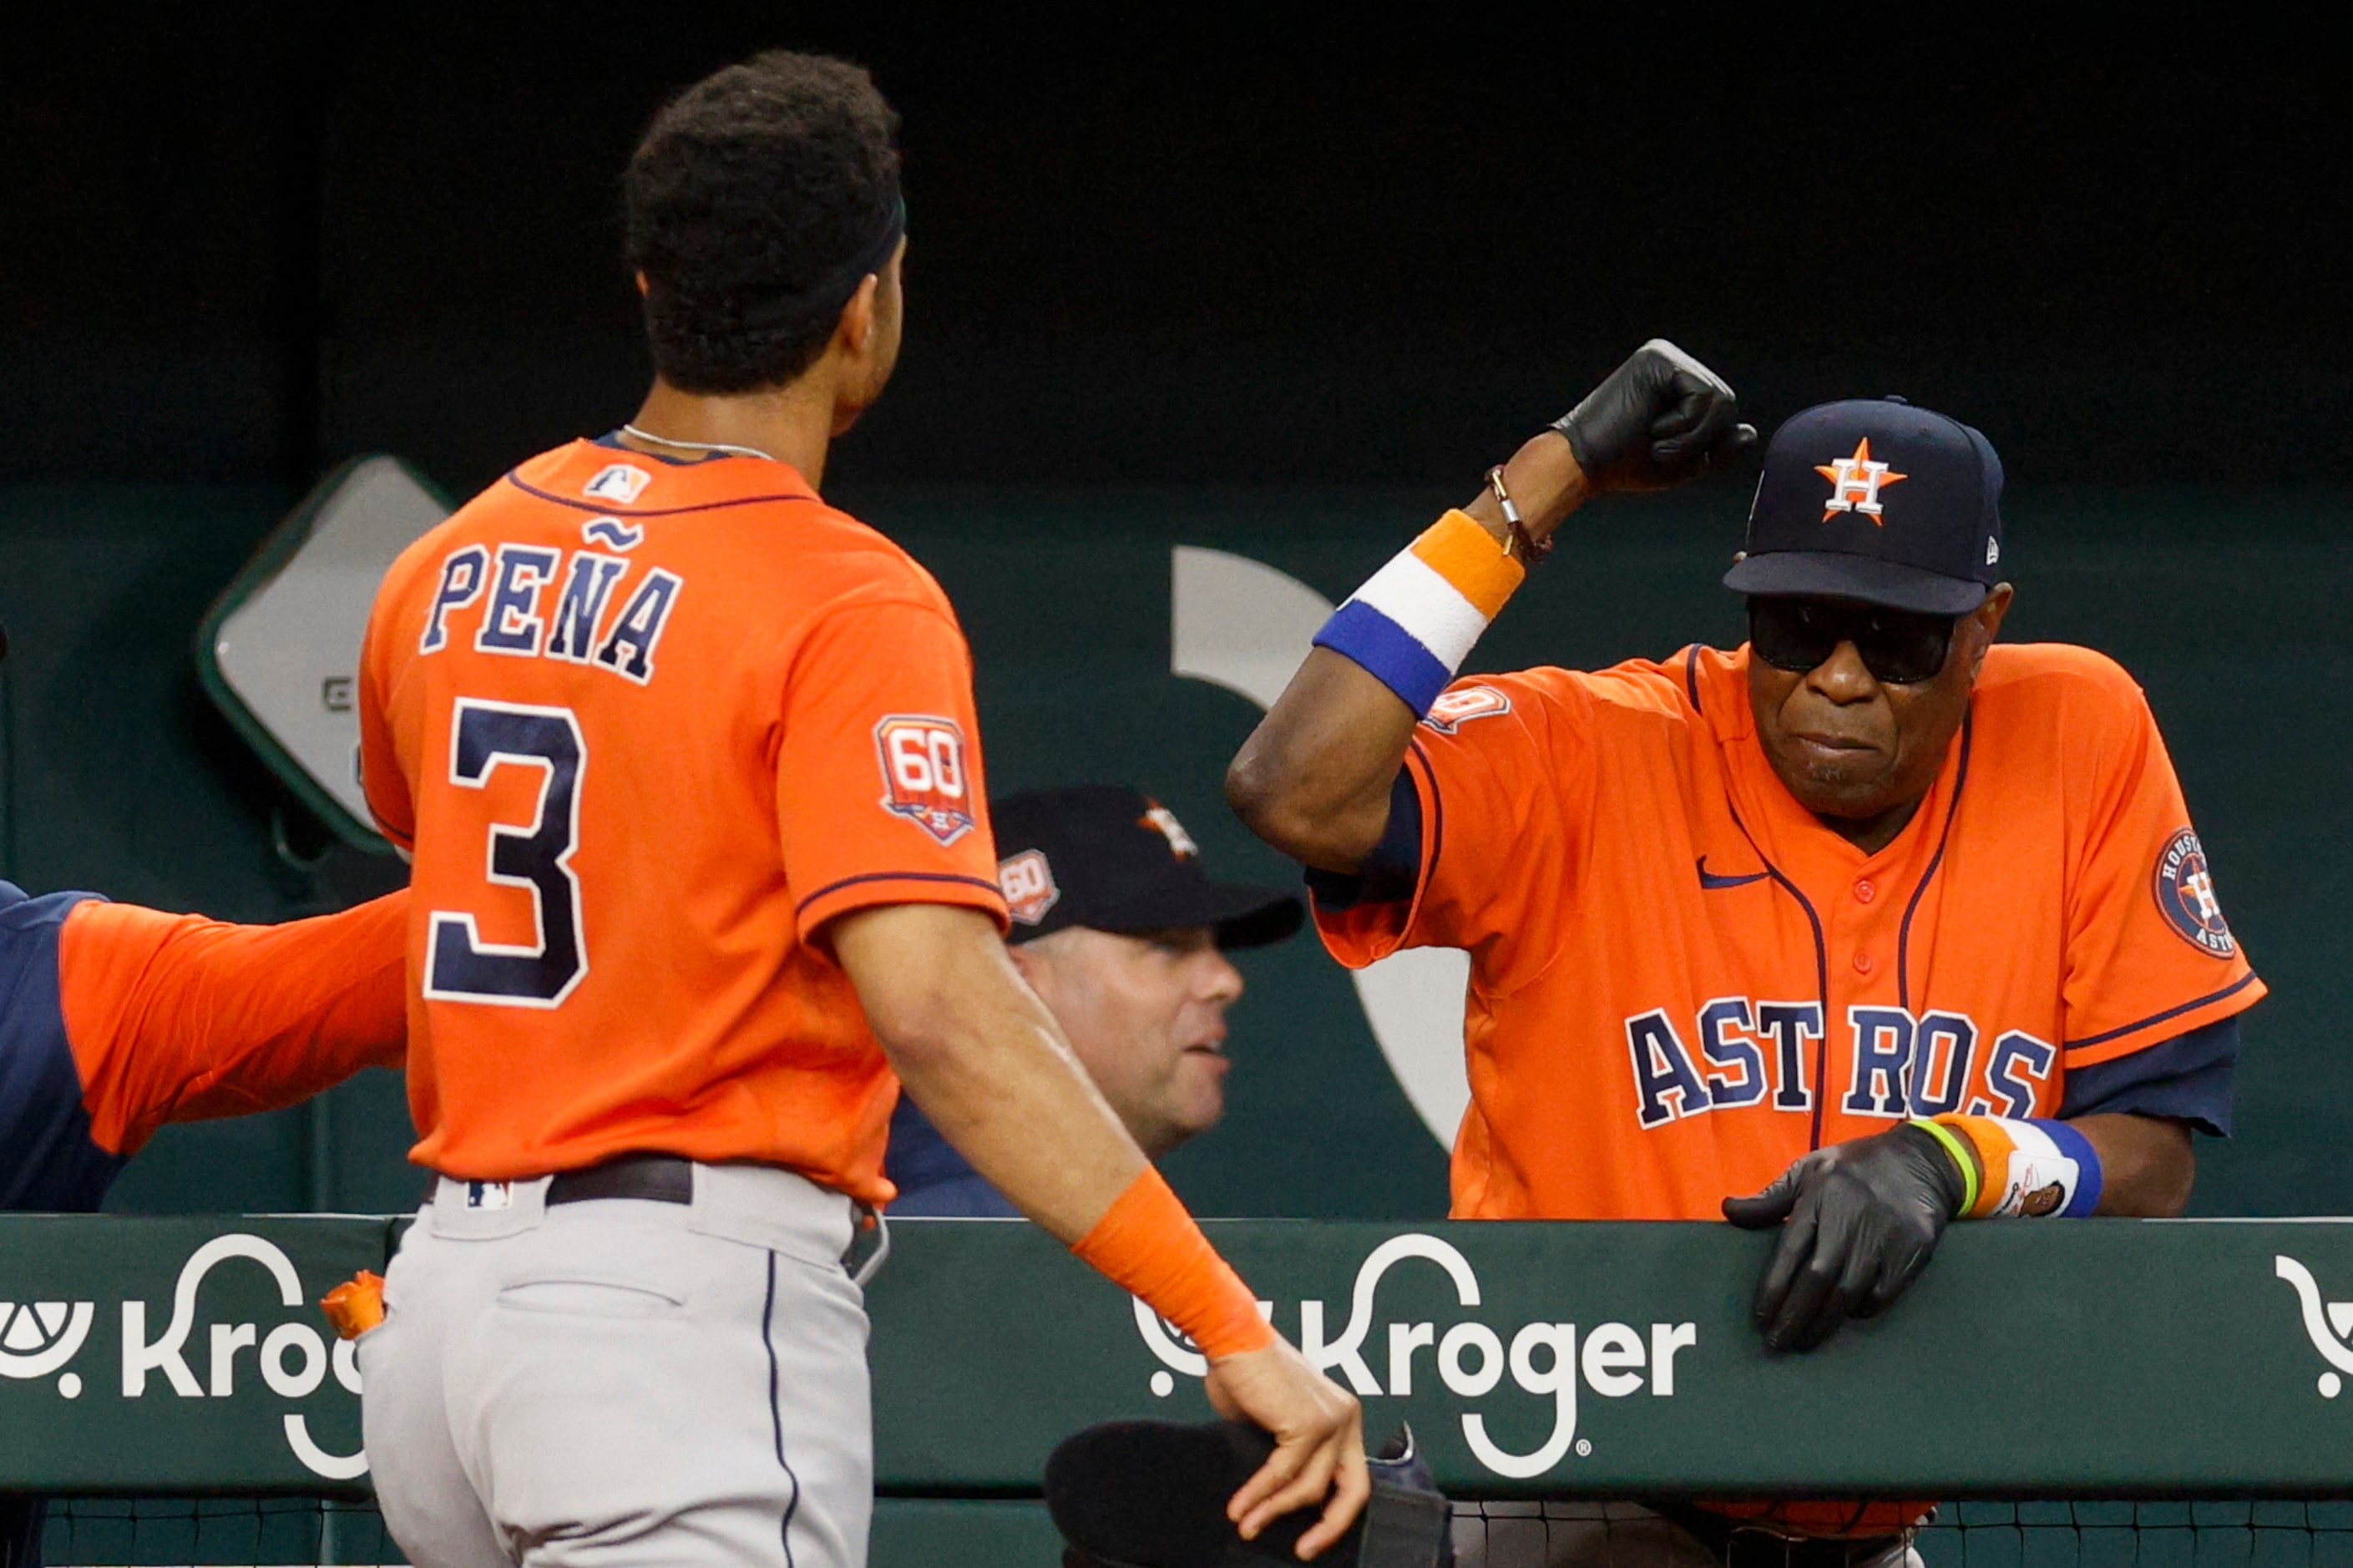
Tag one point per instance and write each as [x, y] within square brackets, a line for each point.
[1855, 482]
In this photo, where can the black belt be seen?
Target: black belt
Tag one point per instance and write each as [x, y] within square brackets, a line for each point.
[648, 1178]
[670, 1179]
[1747, 1544]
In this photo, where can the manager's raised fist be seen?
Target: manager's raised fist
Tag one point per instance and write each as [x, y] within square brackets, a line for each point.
[1660, 419]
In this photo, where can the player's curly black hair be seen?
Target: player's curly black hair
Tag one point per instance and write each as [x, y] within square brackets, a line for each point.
[753, 197]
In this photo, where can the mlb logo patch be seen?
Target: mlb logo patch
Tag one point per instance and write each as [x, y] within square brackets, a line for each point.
[621, 483]
[923, 773]
[1029, 885]
[1457, 708]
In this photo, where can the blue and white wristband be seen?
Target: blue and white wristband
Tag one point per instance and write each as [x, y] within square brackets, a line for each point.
[1416, 620]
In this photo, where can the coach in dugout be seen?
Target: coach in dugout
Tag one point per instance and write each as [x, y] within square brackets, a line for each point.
[1121, 932]
[1873, 917]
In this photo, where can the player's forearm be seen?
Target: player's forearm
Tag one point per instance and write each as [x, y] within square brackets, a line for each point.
[1314, 778]
[2147, 1166]
[989, 1066]
[1008, 1095]
[1544, 483]
[986, 1062]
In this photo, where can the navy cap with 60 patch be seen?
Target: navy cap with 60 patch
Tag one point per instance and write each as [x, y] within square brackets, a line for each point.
[1117, 860]
[1876, 500]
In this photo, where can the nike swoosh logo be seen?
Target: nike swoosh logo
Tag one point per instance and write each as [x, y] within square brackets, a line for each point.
[1709, 881]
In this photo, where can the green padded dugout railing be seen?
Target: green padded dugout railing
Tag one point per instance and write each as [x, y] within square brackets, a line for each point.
[2109, 1358]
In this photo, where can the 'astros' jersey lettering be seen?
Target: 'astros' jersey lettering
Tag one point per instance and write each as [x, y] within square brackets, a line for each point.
[647, 726]
[1681, 981]
[115, 1020]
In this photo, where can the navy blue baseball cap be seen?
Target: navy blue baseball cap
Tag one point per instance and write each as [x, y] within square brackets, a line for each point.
[1876, 500]
[1118, 860]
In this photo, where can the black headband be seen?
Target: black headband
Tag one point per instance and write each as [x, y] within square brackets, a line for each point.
[823, 298]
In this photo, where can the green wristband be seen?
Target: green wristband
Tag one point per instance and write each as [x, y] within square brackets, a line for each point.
[1961, 1157]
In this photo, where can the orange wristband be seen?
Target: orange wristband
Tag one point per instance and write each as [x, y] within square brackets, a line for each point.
[1146, 1243]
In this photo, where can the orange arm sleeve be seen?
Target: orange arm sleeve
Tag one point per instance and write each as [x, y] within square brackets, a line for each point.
[1147, 1243]
[181, 1018]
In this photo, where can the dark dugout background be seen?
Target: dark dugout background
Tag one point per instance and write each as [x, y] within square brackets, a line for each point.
[1283, 290]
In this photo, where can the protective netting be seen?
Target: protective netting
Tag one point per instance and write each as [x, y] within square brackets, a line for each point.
[2258, 1534]
[84, 1533]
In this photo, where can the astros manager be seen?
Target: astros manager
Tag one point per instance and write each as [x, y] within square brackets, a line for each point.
[1895, 923]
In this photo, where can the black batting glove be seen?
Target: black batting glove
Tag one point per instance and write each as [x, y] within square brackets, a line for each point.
[1660, 419]
[1860, 1221]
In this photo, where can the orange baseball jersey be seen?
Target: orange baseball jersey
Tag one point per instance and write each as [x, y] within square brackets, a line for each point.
[116, 1019]
[180, 1018]
[647, 726]
[1681, 980]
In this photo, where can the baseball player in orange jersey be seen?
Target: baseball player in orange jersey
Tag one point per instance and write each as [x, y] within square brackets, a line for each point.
[687, 763]
[116, 1020]
[1889, 921]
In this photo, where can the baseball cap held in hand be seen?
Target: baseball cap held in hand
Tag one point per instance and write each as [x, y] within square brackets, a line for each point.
[1878, 502]
[1152, 1494]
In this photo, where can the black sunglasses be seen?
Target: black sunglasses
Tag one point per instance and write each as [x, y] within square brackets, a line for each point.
[1901, 648]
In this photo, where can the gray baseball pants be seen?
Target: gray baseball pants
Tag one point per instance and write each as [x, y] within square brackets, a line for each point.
[622, 1381]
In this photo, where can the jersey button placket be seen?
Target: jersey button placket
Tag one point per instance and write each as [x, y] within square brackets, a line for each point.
[1862, 927]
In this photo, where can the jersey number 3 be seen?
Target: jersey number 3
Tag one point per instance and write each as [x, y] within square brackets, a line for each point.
[459, 965]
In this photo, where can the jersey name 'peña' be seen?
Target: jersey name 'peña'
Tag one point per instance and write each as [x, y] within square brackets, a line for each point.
[617, 881]
[542, 606]
[1898, 1065]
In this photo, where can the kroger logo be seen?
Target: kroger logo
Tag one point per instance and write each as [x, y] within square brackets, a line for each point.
[292, 1359]
[37, 1337]
[2328, 1324]
[1471, 1358]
